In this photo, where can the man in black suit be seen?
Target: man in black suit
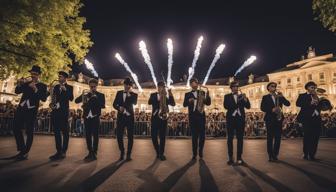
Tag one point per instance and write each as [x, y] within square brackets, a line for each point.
[310, 117]
[192, 100]
[93, 102]
[62, 93]
[159, 119]
[272, 104]
[123, 103]
[235, 105]
[33, 91]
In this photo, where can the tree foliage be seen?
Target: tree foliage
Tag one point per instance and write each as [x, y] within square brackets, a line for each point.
[326, 13]
[48, 33]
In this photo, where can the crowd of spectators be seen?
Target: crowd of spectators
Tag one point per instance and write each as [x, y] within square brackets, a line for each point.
[177, 123]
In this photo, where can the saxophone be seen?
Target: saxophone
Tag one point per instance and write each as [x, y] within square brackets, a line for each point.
[163, 112]
[279, 113]
[200, 99]
[53, 102]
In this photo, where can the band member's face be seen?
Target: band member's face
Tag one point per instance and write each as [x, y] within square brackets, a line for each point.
[127, 87]
[93, 86]
[194, 85]
[34, 76]
[234, 89]
[61, 79]
[311, 88]
[272, 88]
[160, 88]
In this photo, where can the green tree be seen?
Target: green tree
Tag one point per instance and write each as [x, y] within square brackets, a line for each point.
[326, 13]
[48, 33]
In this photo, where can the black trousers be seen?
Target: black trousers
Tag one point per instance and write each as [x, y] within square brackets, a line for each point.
[91, 132]
[311, 130]
[61, 127]
[235, 125]
[128, 122]
[24, 118]
[159, 127]
[274, 131]
[197, 126]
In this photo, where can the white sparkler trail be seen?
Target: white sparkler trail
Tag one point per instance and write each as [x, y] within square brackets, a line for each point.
[90, 67]
[134, 76]
[145, 55]
[170, 61]
[219, 51]
[191, 70]
[248, 62]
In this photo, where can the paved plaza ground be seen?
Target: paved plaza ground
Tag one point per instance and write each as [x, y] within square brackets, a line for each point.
[177, 173]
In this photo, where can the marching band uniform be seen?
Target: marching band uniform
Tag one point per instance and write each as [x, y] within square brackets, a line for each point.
[91, 113]
[60, 114]
[273, 120]
[159, 125]
[235, 119]
[310, 117]
[26, 112]
[125, 118]
[196, 118]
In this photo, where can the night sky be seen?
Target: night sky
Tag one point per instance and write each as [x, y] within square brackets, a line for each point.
[277, 32]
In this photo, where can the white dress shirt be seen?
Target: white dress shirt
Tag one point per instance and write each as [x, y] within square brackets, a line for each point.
[195, 101]
[237, 111]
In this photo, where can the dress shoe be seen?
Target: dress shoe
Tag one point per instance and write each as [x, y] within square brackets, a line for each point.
[22, 156]
[56, 156]
[162, 158]
[88, 157]
[240, 162]
[128, 158]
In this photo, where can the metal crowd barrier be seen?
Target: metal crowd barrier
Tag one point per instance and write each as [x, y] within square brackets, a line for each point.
[43, 125]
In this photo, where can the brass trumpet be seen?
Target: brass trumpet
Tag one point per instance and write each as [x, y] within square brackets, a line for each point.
[23, 80]
[241, 95]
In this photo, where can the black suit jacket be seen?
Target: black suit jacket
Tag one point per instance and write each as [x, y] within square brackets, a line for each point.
[28, 93]
[63, 97]
[95, 104]
[230, 105]
[190, 106]
[267, 105]
[153, 100]
[306, 108]
[127, 104]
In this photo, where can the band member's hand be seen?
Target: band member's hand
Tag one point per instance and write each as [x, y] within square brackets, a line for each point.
[170, 92]
[21, 81]
[191, 100]
[274, 109]
[280, 94]
[33, 86]
[63, 88]
[121, 109]
[244, 97]
[314, 102]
